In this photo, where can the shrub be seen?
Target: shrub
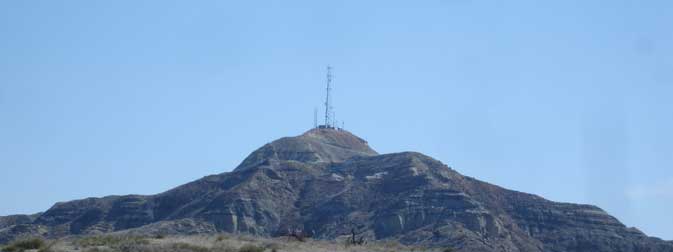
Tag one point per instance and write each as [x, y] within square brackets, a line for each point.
[251, 248]
[449, 249]
[48, 247]
[97, 249]
[272, 246]
[111, 241]
[224, 248]
[185, 247]
[23, 245]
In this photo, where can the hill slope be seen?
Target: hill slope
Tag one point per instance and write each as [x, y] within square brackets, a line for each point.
[328, 182]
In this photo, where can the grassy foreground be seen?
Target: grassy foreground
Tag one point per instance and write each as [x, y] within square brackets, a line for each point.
[201, 243]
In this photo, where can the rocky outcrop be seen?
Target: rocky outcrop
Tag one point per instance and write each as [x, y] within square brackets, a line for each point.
[173, 227]
[329, 182]
[6, 221]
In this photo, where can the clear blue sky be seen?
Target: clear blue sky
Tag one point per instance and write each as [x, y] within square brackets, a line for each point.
[570, 100]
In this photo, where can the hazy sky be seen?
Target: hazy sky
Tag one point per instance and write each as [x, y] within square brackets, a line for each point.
[570, 100]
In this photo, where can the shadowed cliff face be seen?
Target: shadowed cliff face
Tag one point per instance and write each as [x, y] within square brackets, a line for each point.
[329, 182]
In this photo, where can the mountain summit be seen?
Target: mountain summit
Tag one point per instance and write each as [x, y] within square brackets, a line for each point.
[316, 145]
[329, 182]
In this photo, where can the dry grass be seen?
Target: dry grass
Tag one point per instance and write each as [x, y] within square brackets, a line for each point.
[25, 244]
[213, 243]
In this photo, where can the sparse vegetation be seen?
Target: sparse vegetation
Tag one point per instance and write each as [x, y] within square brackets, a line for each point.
[205, 243]
[186, 247]
[354, 240]
[97, 249]
[112, 241]
[25, 244]
[48, 247]
[220, 238]
[298, 234]
[251, 248]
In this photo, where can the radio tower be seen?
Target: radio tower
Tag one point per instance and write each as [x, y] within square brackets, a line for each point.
[328, 104]
[315, 118]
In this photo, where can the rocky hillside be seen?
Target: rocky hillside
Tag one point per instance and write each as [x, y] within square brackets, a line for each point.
[328, 183]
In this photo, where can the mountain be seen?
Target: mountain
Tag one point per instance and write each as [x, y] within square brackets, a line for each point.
[328, 182]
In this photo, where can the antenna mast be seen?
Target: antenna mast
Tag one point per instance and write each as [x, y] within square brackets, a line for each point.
[315, 118]
[328, 105]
